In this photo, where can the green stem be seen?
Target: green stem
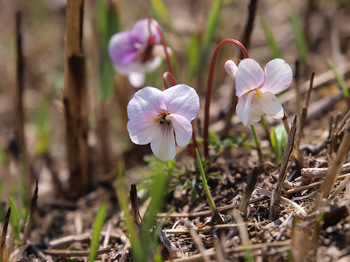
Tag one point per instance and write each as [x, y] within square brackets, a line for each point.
[257, 143]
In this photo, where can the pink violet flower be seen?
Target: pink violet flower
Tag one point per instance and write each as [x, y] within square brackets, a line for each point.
[137, 51]
[162, 118]
[256, 88]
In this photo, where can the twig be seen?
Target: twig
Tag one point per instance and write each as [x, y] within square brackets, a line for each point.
[32, 209]
[249, 190]
[85, 237]
[340, 188]
[197, 240]
[297, 88]
[343, 123]
[211, 252]
[4, 232]
[302, 188]
[199, 214]
[20, 84]
[275, 200]
[337, 164]
[320, 172]
[106, 240]
[304, 110]
[250, 24]
[74, 253]
[241, 228]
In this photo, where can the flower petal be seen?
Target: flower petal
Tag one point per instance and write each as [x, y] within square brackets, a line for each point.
[247, 111]
[141, 129]
[152, 65]
[249, 76]
[142, 27]
[231, 68]
[279, 76]
[122, 51]
[163, 143]
[182, 100]
[183, 129]
[270, 105]
[158, 50]
[147, 102]
[137, 79]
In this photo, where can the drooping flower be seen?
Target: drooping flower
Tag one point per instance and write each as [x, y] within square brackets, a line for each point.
[162, 118]
[256, 88]
[137, 51]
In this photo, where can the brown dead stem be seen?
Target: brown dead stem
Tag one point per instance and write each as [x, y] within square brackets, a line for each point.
[276, 196]
[303, 115]
[3, 235]
[33, 204]
[337, 164]
[249, 191]
[248, 29]
[75, 101]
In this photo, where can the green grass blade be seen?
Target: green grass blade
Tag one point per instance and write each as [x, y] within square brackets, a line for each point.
[96, 230]
[158, 196]
[139, 254]
[193, 51]
[210, 29]
[205, 184]
[159, 11]
[340, 80]
[271, 41]
[14, 219]
[299, 35]
[276, 145]
[108, 21]
[42, 123]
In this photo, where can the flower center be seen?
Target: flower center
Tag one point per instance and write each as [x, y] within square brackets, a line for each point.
[162, 119]
[258, 93]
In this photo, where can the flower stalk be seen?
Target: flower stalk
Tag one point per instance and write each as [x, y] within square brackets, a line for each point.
[169, 75]
[162, 40]
[209, 88]
[257, 143]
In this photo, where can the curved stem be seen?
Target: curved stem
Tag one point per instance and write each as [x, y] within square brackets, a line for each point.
[209, 88]
[169, 75]
[162, 39]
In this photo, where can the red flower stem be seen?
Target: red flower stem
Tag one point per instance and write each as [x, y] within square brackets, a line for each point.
[169, 75]
[162, 39]
[209, 88]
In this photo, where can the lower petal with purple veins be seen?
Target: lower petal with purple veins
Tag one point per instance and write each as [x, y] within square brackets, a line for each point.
[183, 129]
[163, 142]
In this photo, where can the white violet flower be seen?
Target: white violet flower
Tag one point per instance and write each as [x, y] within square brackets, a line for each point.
[256, 89]
[162, 118]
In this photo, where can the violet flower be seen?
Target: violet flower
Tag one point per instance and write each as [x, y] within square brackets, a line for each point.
[137, 51]
[256, 89]
[162, 118]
